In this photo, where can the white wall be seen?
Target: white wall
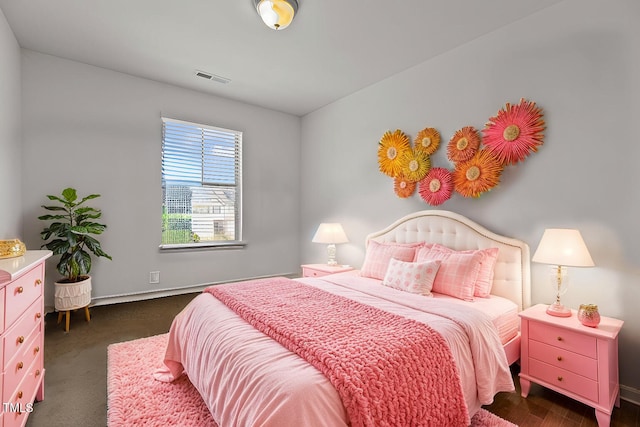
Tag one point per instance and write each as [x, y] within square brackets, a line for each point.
[578, 61]
[10, 133]
[100, 132]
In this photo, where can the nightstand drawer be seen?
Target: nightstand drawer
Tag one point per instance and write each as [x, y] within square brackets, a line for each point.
[565, 359]
[319, 270]
[308, 272]
[563, 338]
[564, 379]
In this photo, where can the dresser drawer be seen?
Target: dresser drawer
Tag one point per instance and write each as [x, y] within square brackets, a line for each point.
[22, 400]
[2, 325]
[21, 293]
[18, 367]
[565, 359]
[563, 338]
[564, 379]
[16, 337]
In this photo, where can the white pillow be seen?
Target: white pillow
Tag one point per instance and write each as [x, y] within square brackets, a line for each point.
[411, 277]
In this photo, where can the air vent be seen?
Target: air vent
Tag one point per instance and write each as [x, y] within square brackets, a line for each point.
[215, 78]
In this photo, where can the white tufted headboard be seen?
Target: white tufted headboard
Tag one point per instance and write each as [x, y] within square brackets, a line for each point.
[512, 277]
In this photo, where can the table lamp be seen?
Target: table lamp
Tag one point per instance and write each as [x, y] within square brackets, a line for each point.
[562, 248]
[330, 233]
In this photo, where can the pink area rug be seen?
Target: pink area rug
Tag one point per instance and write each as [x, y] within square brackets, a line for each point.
[134, 398]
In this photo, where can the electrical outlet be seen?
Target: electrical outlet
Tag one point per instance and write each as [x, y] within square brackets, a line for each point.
[154, 277]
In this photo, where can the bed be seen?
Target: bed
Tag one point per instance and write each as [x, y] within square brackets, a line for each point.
[249, 375]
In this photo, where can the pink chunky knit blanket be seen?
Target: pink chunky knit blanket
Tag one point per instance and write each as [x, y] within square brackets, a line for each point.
[387, 369]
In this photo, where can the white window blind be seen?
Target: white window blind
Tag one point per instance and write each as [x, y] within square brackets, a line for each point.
[201, 185]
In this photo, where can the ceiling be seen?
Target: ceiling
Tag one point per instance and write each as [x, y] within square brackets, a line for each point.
[333, 47]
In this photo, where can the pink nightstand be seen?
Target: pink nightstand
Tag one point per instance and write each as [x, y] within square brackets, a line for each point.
[578, 361]
[319, 270]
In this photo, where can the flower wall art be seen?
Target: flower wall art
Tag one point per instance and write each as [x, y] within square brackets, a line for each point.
[478, 158]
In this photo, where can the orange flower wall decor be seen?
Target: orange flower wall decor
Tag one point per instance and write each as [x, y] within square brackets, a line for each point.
[403, 187]
[479, 174]
[427, 141]
[391, 147]
[415, 165]
[515, 132]
[437, 187]
[463, 145]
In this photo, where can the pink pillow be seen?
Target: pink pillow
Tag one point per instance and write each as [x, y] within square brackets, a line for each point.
[457, 274]
[484, 282]
[378, 255]
[416, 278]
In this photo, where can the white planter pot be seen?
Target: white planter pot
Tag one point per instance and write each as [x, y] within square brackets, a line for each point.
[70, 296]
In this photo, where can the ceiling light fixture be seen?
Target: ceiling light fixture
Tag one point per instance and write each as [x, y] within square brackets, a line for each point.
[277, 14]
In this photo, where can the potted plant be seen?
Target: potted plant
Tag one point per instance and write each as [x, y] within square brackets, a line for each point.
[71, 232]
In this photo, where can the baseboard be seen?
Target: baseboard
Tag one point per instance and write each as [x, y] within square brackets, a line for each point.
[630, 394]
[160, 293]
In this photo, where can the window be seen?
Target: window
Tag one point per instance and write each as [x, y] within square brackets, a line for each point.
[201, 185]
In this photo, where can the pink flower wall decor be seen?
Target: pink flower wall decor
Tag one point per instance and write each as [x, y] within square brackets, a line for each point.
[515, 132]
[437, 187]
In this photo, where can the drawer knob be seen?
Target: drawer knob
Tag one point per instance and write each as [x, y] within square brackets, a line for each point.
[38, 282]
[20, 365]
[20, 339]
[559, 358]
[19, 395]
[559, 378]
[559, 338]
[37, 372]
[36, 350]
[20, 290]
[38, 315]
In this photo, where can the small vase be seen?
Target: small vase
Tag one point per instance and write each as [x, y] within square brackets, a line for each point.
[588, 315]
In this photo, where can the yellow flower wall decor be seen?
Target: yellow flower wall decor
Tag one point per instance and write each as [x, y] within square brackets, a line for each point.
[391, 148]
[403, 187]
[463, 145]
[415, 165]
[427, 141]
[515, 132]
[479, 174]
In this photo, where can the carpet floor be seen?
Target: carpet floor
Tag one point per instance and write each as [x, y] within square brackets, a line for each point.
[134, 398]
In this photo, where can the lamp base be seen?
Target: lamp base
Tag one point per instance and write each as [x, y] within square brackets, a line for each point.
[559, 310]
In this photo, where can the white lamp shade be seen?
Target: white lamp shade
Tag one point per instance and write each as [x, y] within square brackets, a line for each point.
[330, 232]
[277, 14]
[561, 246]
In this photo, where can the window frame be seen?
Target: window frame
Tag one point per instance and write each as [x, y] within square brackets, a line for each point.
[238, 205]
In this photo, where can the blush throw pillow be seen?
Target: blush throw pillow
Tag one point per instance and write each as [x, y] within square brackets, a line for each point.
[488, 256]
[378, 255]
[457, 274]
[416, 278]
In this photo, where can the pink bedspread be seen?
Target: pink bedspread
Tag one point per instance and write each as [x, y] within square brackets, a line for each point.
[248, 379]
[369, 355]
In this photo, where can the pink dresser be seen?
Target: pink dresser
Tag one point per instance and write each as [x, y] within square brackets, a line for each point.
[578, 361]
[21, 335]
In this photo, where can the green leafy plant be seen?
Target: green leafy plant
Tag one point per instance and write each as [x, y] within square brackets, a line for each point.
[71, 230]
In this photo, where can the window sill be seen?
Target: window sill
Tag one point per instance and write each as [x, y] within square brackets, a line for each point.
[203, 246]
